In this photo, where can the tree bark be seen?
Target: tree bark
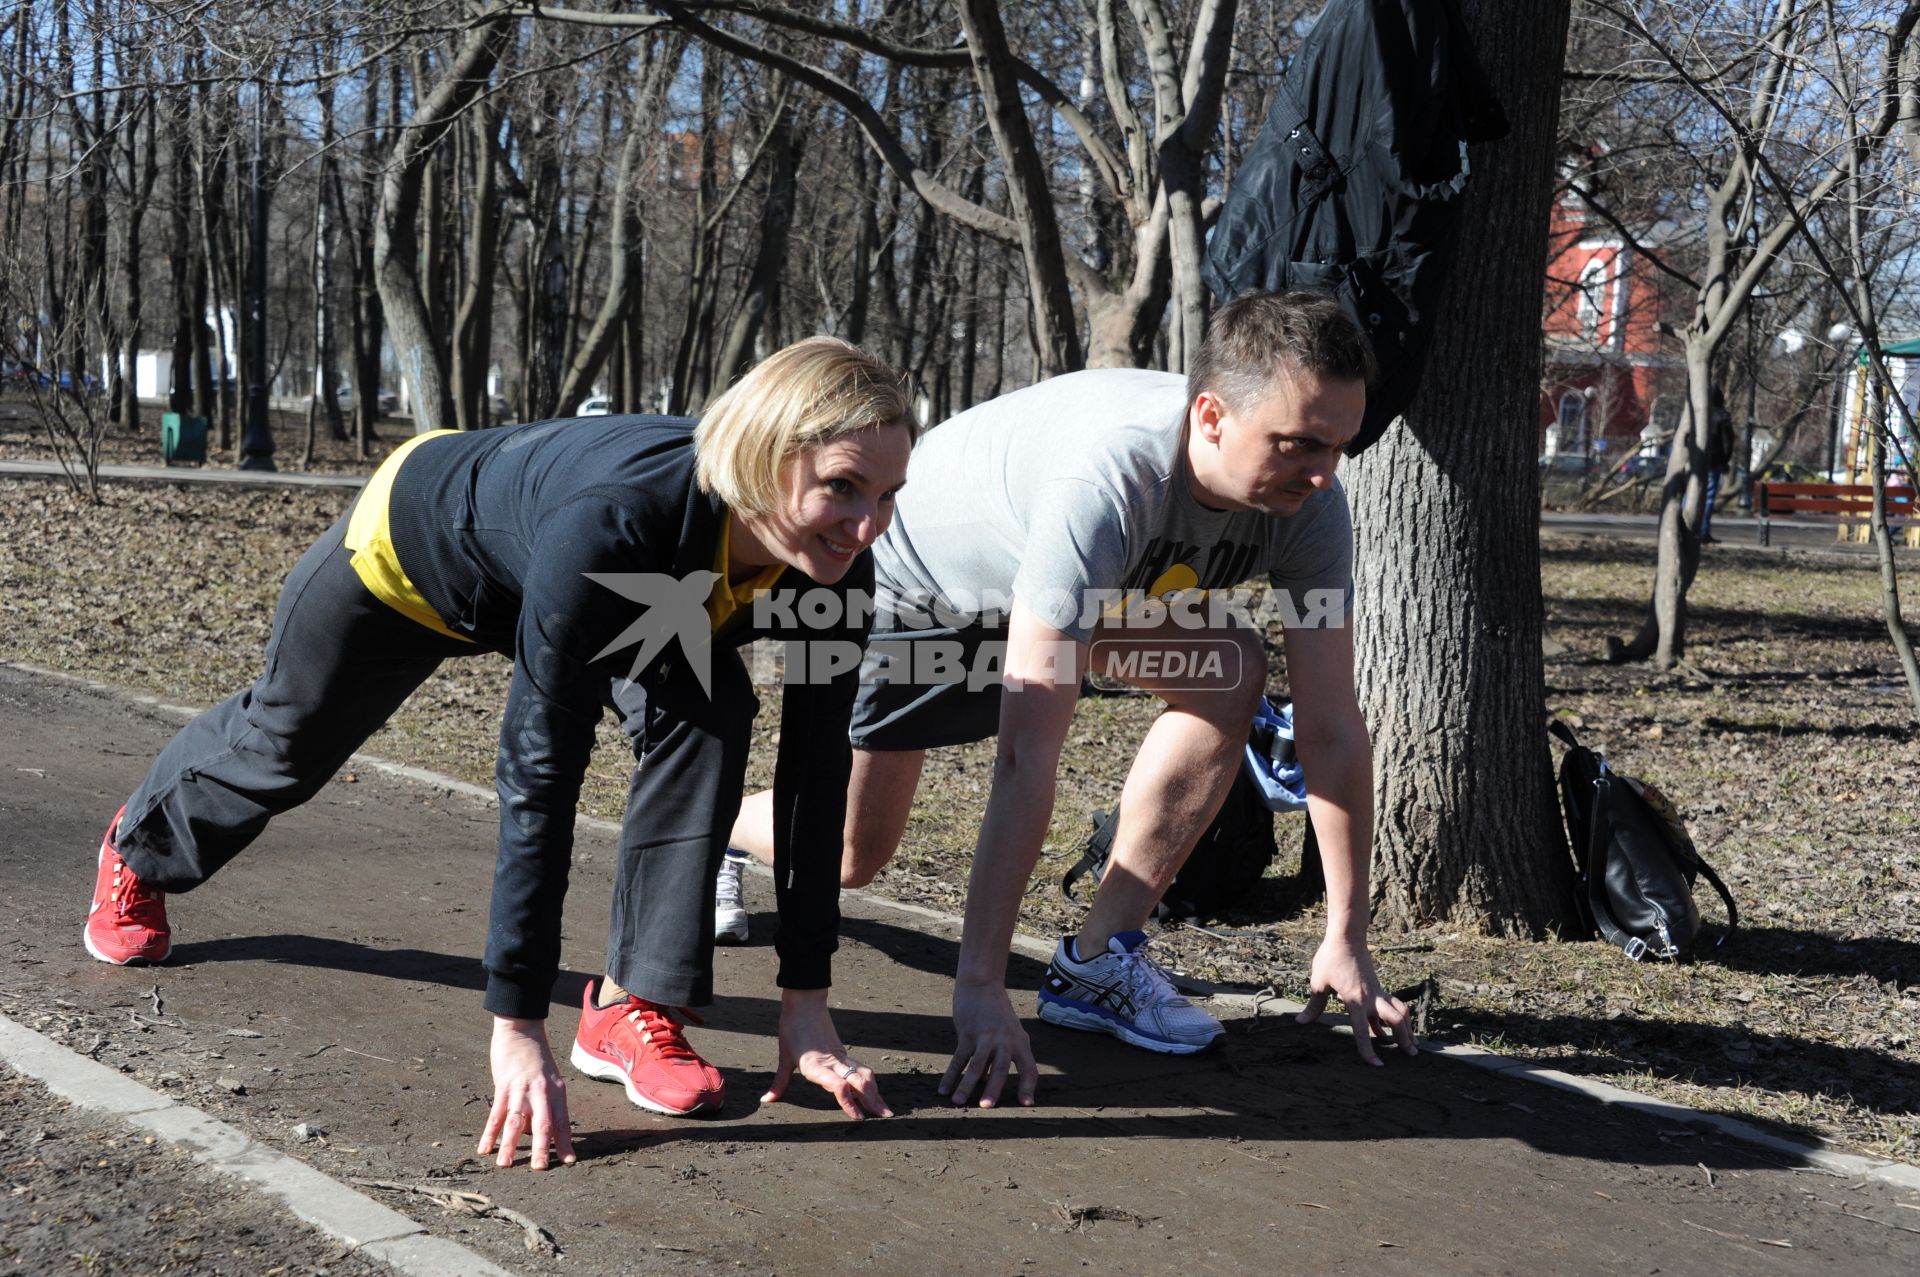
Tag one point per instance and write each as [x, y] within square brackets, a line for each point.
[697, 321]
[473, 322]
[180, 385]
[419, 348]
[770, 259]
[1449, 620]
[624, 254]
[143, 171]
[1057, 331]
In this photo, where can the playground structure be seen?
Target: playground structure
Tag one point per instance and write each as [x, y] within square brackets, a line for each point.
[1849, 459]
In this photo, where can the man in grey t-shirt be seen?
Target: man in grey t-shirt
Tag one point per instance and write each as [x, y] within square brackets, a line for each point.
[1027, 526]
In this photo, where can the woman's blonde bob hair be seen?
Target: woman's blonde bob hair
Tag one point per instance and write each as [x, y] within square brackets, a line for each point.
[810, 393]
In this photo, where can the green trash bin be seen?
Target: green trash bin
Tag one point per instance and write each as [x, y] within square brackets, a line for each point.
[182, 438]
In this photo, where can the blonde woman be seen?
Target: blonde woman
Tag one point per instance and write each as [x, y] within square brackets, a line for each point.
[589, 551]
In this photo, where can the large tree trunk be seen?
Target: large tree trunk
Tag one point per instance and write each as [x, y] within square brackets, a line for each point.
[770, 260]
[1056, 330]
[180, 385]
[696, 324]
[1449, 617]
[143, 170]
[473, 322]
[421, 349]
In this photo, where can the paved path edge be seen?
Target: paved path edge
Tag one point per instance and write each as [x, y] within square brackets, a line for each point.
[1811, 1156]
[341, 1212]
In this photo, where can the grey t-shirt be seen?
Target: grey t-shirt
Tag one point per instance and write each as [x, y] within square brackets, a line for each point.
[1078, 485]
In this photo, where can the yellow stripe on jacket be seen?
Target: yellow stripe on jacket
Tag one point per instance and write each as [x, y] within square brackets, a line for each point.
[374, 560]
[728, 598]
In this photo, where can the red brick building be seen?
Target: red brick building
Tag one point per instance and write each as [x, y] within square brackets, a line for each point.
[1609, 373]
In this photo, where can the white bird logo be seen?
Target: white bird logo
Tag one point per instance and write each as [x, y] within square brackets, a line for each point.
[676, 606]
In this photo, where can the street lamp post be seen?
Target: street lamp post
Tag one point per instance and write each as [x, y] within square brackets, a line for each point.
[256, 443]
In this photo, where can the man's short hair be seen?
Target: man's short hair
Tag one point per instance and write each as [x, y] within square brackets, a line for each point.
[808, 394]
[1258, 337]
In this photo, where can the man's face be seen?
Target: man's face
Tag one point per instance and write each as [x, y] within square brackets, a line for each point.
[1271, 455]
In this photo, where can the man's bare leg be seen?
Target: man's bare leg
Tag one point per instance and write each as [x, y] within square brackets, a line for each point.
[1179, 777]
[879, 801]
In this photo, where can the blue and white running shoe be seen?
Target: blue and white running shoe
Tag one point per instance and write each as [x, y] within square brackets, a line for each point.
[1125, 993]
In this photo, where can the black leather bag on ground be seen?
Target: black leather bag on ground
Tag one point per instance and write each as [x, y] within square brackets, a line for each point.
[1221, 875]
[1635, 860]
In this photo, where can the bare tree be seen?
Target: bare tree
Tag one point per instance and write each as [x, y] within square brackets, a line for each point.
[1764, 84]
[420, 347]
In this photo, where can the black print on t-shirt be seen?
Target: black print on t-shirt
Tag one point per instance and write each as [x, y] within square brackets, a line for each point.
[1214, 567]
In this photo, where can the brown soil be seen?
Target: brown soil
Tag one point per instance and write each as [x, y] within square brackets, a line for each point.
[84, 1194]
[1786, 740]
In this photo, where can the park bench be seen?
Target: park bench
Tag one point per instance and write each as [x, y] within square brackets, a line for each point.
[1849, 504]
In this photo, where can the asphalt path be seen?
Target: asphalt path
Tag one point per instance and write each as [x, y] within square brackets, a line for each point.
[1731, 532]
[330, 977]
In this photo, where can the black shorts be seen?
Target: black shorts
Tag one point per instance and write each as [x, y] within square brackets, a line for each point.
[926, 688]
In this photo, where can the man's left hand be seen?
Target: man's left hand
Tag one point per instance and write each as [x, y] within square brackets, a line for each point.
[1344, 970]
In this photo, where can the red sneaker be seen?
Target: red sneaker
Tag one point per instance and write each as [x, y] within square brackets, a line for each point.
[127, 924]
[636, 1043]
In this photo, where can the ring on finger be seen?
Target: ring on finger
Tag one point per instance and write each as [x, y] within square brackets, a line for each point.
[851, 1069]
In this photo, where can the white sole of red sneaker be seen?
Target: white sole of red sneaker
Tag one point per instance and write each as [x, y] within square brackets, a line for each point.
[137, 960]
[608, 1071]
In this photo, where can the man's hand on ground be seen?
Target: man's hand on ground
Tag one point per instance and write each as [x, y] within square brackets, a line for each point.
[809, 1043]
[1344, 969]
[991, 1041]
[529, 1096]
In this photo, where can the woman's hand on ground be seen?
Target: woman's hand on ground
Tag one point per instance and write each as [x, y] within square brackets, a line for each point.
[529, 1096]
[809, 1043]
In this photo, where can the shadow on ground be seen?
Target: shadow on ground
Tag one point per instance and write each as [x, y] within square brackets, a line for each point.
[1274, 1080]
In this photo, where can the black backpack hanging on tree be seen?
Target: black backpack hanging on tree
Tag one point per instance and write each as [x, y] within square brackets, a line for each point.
[1634, 858]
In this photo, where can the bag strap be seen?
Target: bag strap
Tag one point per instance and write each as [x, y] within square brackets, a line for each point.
[1099, 847]
[1564, 732]
[1726, 897]
[1078, 870]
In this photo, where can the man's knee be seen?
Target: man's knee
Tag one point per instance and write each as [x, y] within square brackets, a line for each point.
[1228, 674]
[864, 858]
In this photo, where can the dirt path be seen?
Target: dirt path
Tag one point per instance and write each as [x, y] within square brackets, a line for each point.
[347, 941]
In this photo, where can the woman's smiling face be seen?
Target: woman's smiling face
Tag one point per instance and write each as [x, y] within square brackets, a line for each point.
[836, 500]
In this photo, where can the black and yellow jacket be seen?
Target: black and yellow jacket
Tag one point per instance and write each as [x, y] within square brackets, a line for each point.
[490, 536]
